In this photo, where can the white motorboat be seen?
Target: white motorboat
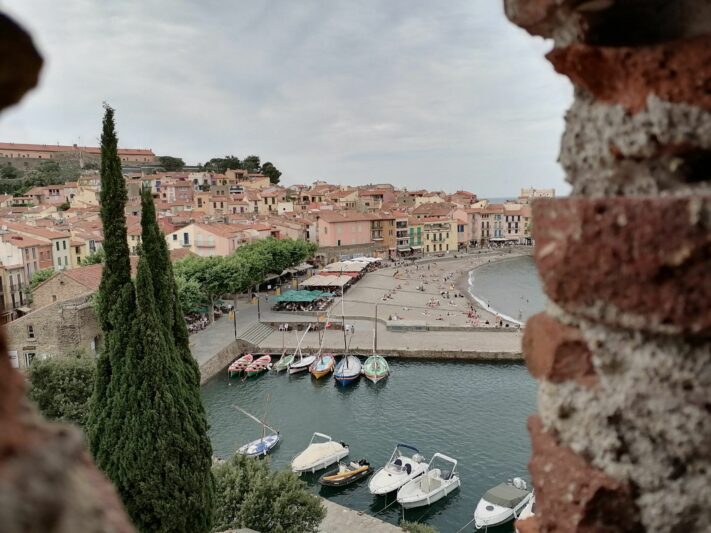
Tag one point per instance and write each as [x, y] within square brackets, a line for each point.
[439, 480]
[405, 464]
[321, 452]
[502, 503]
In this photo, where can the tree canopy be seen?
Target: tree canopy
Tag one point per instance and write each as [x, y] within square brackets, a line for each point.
[99, 256]
[40, 276]
[249, 495]
[171, 163]
[251, 163]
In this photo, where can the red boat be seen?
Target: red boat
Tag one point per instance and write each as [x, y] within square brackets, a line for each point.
[239, 365]
[259, 365]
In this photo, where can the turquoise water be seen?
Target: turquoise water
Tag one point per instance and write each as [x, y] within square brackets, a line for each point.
[512, 288]
[473, 412]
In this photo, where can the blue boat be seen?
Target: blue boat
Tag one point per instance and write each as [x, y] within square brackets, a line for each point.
[263, 445]
[347, 370]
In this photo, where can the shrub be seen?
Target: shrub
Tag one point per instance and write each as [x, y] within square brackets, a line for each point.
[61, 386]
[248, 494]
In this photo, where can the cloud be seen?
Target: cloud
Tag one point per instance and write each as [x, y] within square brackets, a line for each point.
[418, 93]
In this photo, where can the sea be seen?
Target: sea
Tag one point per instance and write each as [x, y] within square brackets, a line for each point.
[511, 288]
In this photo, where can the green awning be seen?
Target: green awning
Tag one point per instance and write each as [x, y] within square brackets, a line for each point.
[302, 296]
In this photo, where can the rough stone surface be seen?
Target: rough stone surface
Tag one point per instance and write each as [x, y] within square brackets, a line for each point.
[645, 260]
[679, 72]
[530, 525]
[571, 495]
[648, 421]
[556, 352]
[663, 149]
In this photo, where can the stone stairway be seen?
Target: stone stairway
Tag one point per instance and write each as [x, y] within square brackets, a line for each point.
[255, 333]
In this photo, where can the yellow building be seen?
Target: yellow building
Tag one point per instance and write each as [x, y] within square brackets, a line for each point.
[439, 235]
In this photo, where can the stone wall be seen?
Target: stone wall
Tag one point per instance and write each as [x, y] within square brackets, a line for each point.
[57, 288]
[224, 357]
[55, 329]
[622, 441]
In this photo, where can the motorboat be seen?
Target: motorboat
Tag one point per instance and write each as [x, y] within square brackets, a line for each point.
[346, 473]
[239, 365]
[347, 370]
[376, 368]
[404, 464]
[502, 503]
[263, 445]
[322, 366]
[529, 510]
[321, 453]
[259, 365]
[440, 479]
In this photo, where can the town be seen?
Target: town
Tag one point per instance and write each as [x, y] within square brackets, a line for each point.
[54, 231]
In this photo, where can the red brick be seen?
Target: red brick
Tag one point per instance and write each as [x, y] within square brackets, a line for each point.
[647, 258]
[574, 497]
[555, 351]
[677, 71]
[530, 525]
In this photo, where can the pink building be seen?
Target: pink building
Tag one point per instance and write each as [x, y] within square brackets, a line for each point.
[343, 228]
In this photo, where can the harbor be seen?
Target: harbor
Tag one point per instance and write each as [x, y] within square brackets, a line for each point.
[472, 412]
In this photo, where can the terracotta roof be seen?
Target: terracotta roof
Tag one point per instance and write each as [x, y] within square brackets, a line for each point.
[36, 231]
[22, 241]
[66, 148]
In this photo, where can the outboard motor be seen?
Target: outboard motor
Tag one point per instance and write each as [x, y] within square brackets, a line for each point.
[519, 483]
[418, 458]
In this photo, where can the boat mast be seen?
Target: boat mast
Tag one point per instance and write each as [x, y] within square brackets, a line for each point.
[375, 331]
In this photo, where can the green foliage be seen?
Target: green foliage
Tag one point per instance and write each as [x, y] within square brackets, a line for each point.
[46, 173]
[63, 207]
[61, 386]
[91, 165]
[9, 172]
[170, 163]
[251, 163]
[147, 426]
[190, 294]
[249, 495]
[40, 276]
[220, 164]
[245, 268]
[415, 527]
[272, 172]
[99, 256]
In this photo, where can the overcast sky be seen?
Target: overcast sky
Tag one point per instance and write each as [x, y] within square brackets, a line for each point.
[442, 95]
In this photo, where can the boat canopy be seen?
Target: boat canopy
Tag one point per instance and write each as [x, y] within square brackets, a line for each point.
[505, 495]
[401, 445]
[302, 296]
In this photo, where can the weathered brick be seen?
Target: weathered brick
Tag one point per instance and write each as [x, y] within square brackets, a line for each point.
[530, 525]
[640, 263]
[556, 352]
[677, 71]
[574, 497]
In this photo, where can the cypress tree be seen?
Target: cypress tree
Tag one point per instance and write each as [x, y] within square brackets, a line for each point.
[115, 305]
[183, 417]
[147, 427]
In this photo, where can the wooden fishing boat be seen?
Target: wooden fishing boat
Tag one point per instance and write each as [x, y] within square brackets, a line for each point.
[263, 445]
[347, 370]
[259, 365]
[284, 362]
[239, 365]
[346, 473]
[376, 368]
[322, 366]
